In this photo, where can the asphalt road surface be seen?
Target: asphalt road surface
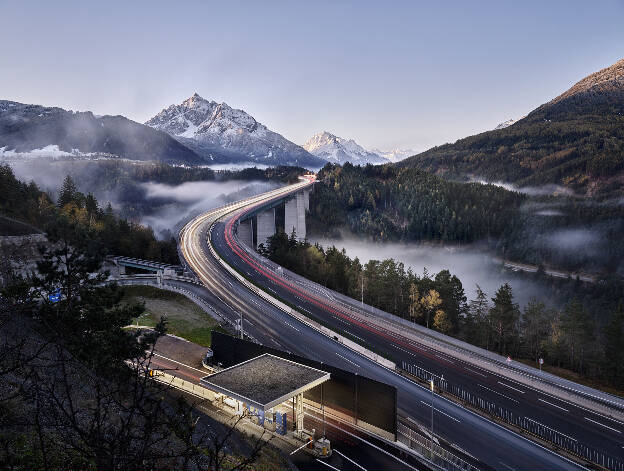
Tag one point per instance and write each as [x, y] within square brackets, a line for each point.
[486, 441]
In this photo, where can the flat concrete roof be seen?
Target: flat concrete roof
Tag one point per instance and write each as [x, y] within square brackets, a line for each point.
[265, 381]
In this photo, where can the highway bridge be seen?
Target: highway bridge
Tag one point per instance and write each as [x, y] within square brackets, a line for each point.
[211, 247]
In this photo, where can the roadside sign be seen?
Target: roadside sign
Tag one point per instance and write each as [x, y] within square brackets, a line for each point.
[55, 296]
[541, 361]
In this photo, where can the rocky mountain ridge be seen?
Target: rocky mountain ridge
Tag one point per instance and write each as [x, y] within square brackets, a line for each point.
[337, 150]
[221, 133]
[34, 130]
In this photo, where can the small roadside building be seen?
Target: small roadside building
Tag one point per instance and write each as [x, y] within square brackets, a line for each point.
[263, 383]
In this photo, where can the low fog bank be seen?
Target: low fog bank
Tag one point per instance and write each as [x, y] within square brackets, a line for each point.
[175, 205]
[163, 207]
[544, 190]
[238, 166]
[471, 265]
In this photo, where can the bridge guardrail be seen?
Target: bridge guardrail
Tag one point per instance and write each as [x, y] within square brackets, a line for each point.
[557, 439]
[550, 384]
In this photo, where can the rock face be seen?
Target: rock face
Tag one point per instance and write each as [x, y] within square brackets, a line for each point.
[38, 131]
[223, 134]
[338, 150]
[506, 124]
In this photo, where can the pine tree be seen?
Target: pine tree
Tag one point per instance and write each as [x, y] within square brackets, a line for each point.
[536, 327]
[614, 347]
[578, 331]
[477, 327]
[504, 316]
[68, 192]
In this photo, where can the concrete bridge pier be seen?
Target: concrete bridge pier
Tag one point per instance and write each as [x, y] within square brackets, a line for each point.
[245, 232]
[294, 216]
[265, 226]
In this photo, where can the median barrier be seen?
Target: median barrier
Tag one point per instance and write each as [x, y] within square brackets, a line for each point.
[544, 382]
[297, 315]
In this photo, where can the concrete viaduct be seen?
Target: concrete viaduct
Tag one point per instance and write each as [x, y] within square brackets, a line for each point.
[255, 227]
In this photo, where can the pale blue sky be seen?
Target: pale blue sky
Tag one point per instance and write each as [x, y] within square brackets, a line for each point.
[387, 74]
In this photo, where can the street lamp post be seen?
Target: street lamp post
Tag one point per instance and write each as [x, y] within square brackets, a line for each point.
[362, 275]
[241, 324]
[431, 382]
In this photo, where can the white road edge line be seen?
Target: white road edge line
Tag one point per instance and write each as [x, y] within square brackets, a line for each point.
[349, 459]
[366, 441]
[511, 387]
[491, 422]
[603, 425]
[328, 465]
[554, 405]
[475, 372]
[502, 395]
[464, 409]
[441, 412]
[346, 359]
[507, 466]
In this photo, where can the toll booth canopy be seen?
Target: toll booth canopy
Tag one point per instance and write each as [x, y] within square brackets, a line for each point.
[265, 381]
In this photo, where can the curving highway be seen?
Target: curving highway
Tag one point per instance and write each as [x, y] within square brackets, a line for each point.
[497, 447]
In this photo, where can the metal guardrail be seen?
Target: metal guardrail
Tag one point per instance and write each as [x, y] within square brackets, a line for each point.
[596, 400]
[528, 425]
[438, 455]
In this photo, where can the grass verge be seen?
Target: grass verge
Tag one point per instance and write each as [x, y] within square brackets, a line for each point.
[184, 318]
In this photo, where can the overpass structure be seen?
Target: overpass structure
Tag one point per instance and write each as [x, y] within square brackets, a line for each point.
[288, 311]
[257, 225]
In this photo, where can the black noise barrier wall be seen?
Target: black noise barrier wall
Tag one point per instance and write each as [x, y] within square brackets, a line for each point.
[362, 398]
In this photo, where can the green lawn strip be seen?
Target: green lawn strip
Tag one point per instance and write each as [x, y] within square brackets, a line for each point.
[184, 318]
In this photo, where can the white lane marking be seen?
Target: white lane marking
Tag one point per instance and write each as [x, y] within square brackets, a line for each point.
[507, 466]
[403, 350]
[174, 361]
[295, 451]
[480, 417]
[349, 459]
[346, 359]
[445, 359]
[353, 335]
[475, 372]
[511, 387]
[496, 392]
[372, 445]
[603, 425]
[605, 417]
[556, 431]
[443, 413]
[554, 405]
[328, 465]
[291, 326]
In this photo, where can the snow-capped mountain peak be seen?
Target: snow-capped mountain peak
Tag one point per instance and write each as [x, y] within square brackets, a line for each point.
[506, 124]
[226, 134]
[338, 150]
[395, 155]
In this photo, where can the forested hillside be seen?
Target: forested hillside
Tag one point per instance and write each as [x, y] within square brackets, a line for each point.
[591, 321]
[393, 203]
[386, 202]
[576, 140]
[111, 235]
